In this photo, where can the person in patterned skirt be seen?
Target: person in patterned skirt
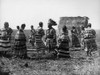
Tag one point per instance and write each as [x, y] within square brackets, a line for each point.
[4, 41]
[20, 42]
[89, 39]
[64, 43]
[51, 36]
[39, 38]
[75, 40]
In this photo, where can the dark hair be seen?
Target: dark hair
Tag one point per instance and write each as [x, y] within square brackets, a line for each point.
[18, 27]
[41, 24]
[52, 22]
[23, 26]
[31, 26]
[89, 25]
[64, 29]
[6, 24]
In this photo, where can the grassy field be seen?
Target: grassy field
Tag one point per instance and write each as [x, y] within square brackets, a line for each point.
[73, 66]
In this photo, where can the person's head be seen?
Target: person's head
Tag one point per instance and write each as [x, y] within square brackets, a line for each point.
[18, 27]
[89, 25]
[41, 24]
[64, 29]
[6, 25]
[52, 22]
[32, 26]
[23, 26]
[49, 26]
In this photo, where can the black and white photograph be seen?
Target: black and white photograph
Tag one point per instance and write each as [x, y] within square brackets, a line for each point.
[49, 37]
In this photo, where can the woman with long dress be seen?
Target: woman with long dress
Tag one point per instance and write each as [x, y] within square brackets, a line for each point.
[39, 38]
[64, 45]
[20, 42]
[5, 43]
[75, 40]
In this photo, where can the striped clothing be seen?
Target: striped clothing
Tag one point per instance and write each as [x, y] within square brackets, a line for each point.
[63, 45]
[20, 44]
[4, 42]
[75, 40]
[64, 41]
[39, 39]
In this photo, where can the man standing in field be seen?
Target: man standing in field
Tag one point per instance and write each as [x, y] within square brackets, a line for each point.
[51, 36]
[89, 39]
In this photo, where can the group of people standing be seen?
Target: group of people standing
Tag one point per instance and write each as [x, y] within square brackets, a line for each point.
[39, 37]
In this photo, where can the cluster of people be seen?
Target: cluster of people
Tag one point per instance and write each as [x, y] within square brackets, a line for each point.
[49, 40]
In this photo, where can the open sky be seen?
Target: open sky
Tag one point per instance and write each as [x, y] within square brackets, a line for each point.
[31, 12]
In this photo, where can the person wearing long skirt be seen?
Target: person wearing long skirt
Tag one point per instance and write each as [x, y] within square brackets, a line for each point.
[64, 45]
[75, 40]
[4, 41]
[20, 42]
[39, 43]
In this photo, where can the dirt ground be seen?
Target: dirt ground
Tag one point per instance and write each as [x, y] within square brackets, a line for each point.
[80, 66]
[63, 66]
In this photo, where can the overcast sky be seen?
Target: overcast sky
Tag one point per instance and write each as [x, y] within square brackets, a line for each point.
[31, 12]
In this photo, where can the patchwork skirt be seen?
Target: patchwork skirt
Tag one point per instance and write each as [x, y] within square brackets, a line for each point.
[5, 44]
[20, 48]
[75, 41]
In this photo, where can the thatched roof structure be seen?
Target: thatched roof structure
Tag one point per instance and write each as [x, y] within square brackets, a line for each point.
[73, 21]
